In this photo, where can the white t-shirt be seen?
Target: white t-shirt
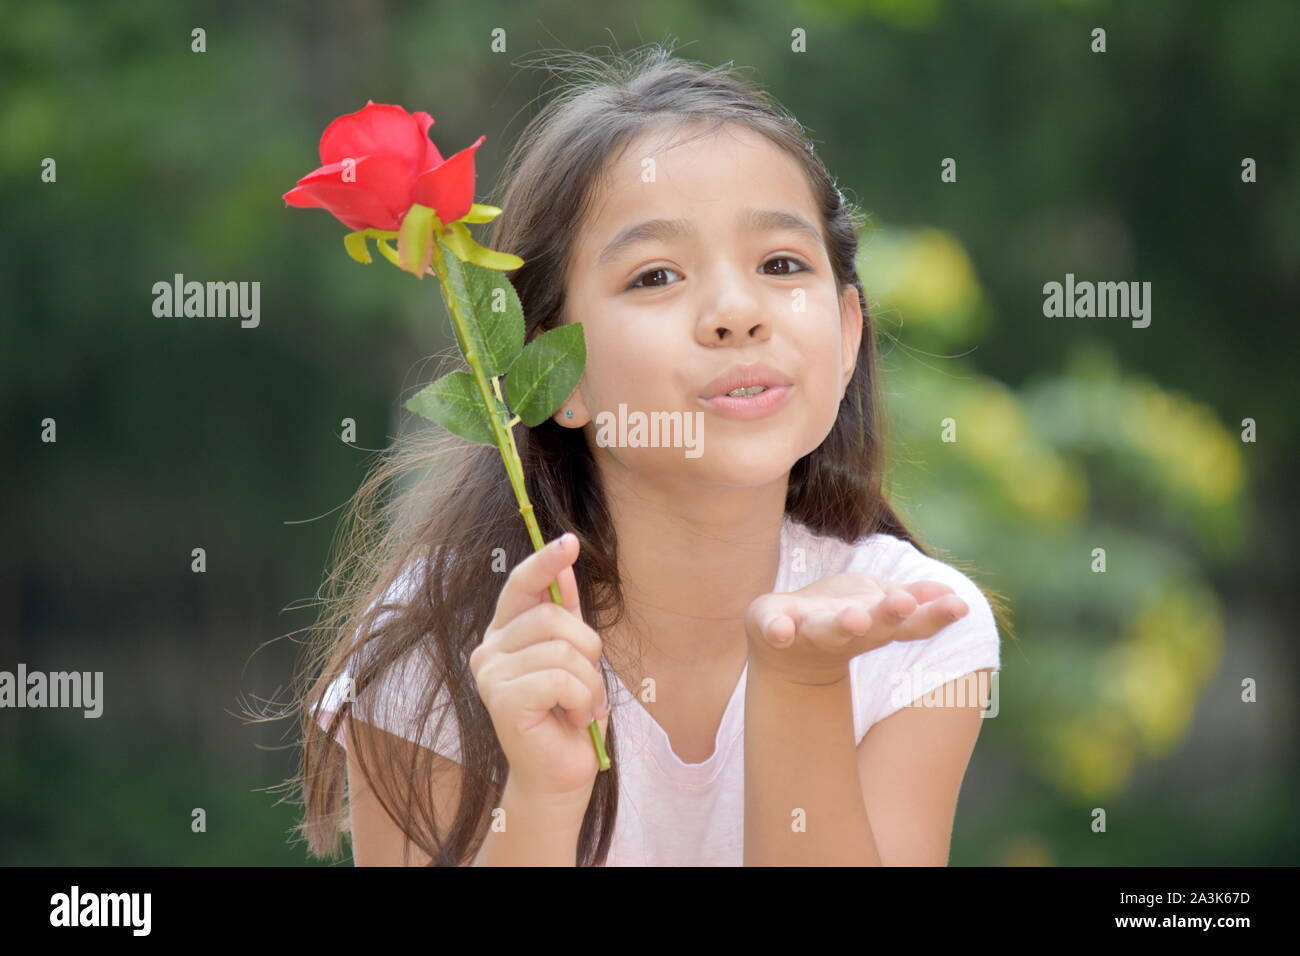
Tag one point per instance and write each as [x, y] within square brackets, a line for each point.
[672, 813]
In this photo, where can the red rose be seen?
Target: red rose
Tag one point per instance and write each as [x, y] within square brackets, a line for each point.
[379, 160]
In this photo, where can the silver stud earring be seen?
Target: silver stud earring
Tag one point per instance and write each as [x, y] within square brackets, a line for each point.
[569, 413]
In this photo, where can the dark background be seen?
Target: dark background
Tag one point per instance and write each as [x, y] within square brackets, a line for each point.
[1122, 690]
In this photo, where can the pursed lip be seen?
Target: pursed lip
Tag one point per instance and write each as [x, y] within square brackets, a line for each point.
[742, 376]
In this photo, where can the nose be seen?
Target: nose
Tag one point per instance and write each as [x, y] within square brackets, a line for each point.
[734, 313]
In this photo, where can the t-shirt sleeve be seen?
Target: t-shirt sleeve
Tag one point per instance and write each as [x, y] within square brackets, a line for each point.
[393, 702]
[905, 671]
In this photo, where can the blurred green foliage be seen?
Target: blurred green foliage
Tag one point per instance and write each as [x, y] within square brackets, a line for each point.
[1117, 650]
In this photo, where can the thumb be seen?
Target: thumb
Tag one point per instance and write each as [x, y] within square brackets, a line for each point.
[775, 625]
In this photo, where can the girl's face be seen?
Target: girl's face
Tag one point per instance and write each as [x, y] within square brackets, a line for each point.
[716, 272]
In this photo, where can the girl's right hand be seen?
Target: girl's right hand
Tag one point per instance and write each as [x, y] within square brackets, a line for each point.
[537, 672]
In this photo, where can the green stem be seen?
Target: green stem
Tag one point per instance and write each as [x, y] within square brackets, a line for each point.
[505, 441]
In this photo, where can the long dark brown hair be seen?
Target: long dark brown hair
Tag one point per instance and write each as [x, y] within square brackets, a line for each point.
[442, 506]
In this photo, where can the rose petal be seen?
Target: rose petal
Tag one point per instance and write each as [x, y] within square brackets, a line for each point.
[377, 130]
[355, 210]
[449, 187]
[431, 155]
[377, 199]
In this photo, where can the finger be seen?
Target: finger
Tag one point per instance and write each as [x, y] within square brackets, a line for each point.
[895, 607]
[529, 582]
[564, 578]
[832, 627]
[547, 622]
[570, 718]
[927, 591]
[546, 690]
[550, 655]
[601, 715]
[568, 591]
[929, 619]
[776, 626]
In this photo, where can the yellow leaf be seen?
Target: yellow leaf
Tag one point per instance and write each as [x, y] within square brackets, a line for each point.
[389, 252]
[415, 240]
[467, 250]
[481, 213]
[355, 243]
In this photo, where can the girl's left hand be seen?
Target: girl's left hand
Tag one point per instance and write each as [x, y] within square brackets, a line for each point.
[808, 636]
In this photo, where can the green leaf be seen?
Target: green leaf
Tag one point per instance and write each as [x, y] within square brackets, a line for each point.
[499, 315]
[415, 240]
[454, 402]
[466, 249]
[493, 315]
[355, 243]
[455, 293]
[546, 373]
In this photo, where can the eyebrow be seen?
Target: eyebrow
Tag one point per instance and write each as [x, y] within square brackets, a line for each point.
[750, 220]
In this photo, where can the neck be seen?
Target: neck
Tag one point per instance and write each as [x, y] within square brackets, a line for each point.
[692, 559]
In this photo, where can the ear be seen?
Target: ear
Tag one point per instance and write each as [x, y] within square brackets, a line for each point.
[850, 332]
[575, 404]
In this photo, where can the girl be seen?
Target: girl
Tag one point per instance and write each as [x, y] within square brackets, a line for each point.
[748, 622]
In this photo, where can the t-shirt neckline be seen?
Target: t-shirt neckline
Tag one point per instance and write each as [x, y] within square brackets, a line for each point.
[732, 723]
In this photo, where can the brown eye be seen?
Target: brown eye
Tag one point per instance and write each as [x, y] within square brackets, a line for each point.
[652, 285]
[787, 271]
